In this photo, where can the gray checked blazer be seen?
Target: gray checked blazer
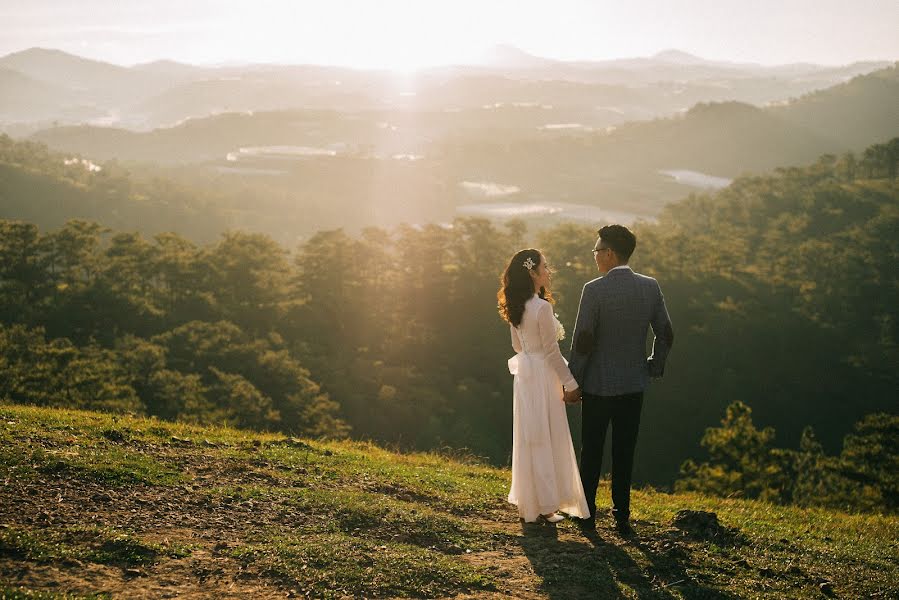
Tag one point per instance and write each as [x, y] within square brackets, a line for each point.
[608, 346]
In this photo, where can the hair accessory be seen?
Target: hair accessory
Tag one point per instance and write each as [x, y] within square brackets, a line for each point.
[529, 263]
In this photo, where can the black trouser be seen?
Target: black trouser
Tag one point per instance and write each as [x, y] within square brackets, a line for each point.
[624, 414]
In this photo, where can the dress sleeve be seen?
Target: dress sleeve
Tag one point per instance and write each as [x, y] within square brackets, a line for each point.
[516, 341]
[547, 327]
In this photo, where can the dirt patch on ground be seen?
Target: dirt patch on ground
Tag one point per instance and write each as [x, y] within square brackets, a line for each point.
[205, 524]
[199, 576]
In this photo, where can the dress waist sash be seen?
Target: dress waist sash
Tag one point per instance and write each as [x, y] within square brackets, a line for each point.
[522, 364]
[532, 407]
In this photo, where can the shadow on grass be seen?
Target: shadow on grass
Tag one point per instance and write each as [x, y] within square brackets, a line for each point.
[597, 568]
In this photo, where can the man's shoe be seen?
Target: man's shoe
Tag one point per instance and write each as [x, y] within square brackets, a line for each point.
[588, 524]
[624, 529]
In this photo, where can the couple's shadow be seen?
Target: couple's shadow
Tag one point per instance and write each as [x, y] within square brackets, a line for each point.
[590, 564]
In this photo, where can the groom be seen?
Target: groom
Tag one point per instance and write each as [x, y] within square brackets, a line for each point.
[608, 360]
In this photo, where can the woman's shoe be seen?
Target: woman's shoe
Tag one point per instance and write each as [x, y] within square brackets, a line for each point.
[553, 518]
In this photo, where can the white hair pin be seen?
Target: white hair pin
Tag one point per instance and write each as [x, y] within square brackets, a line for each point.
[529, 263]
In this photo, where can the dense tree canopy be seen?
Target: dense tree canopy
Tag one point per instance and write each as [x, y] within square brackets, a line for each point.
[782, 290]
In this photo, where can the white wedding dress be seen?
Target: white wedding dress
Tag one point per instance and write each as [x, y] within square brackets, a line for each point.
[545, 475]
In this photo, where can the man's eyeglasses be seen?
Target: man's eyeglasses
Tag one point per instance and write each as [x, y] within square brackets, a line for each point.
[598, 250]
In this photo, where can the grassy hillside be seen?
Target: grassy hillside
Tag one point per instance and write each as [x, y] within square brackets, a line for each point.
[96, 505]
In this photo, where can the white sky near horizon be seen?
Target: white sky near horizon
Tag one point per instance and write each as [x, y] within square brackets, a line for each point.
[407, 34]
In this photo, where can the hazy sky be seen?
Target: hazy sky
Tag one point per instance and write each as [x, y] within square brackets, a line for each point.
[404, 34]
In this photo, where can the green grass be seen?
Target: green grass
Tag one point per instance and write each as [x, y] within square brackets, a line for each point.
[84, 543]
[106, 465]
[71, 447]
[419, 477]
[334, 565]
[333, 519]
[380, 517]
[790, 544]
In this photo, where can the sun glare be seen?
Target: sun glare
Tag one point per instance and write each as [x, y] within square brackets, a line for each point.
[402, 37]
[393, 53]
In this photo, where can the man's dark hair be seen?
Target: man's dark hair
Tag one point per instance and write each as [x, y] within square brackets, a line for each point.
[620, 239]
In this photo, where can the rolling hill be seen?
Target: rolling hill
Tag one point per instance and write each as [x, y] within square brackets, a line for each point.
[854, 113]
[845, 117]
[413, 165]
[50, 188]
[164, 93]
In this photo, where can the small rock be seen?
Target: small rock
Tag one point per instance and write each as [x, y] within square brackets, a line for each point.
[701, 517]
[704, 525]
[135, 573]
[826, 588]
[101, 497]
[696, 521]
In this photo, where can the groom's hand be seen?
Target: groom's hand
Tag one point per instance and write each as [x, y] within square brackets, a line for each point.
[572, 396]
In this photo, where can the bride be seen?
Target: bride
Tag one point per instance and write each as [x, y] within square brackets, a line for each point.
[545, 476]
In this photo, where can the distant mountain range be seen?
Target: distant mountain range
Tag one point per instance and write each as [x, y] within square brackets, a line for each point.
[347, 168]
[340, 147]
[848, 116]
[66, 89]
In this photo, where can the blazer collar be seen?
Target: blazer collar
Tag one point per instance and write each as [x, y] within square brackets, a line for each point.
[619, 269]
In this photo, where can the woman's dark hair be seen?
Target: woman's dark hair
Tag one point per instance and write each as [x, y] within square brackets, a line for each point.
[517, 287]
[620, 239]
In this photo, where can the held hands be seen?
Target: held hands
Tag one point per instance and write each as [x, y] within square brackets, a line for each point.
[571, 396]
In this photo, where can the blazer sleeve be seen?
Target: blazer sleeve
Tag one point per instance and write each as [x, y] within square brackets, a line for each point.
[664, 336]
[546, 325]
[583, 339]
